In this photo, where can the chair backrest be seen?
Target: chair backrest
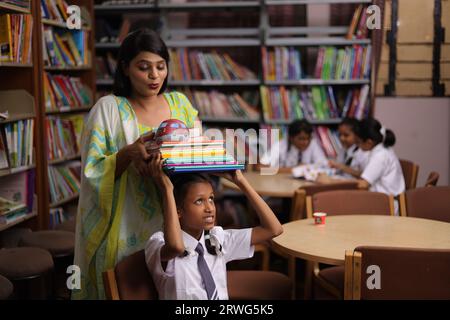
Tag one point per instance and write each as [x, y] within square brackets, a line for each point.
[410, 171]
[130, 280]
[432, 179]
[342, 202]
[426, 202]
[299, 198]
[397, 273]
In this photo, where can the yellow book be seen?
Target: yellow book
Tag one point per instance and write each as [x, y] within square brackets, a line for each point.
[5, 38]
[73, 48]
[192, 153]
[63, 47]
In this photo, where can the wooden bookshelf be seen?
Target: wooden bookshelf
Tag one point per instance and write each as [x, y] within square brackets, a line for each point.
[10, 8]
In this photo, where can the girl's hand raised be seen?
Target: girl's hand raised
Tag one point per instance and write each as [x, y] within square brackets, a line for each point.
[235, 176]
[156, 172]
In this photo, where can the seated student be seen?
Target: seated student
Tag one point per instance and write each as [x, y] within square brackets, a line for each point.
[299, 148]
[188, 260]
[383, 172]
[353, 161]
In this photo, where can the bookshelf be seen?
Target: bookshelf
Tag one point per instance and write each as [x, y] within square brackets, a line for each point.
[245, 42]
[27, 82]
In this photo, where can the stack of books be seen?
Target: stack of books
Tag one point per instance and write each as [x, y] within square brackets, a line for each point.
[11, 210]
[197, 155]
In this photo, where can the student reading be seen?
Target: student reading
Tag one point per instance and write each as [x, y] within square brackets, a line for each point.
[188, 260]
[299, 148]
[119, 205]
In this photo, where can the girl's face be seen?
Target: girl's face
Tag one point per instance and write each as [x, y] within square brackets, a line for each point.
[198, 211]
[147, 72]
[347, 136]
[301, 141]
[367, 145]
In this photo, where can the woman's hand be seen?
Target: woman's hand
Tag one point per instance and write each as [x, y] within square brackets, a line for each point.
[138, 155]
[155, 171]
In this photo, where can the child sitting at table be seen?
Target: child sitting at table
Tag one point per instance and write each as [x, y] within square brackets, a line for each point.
[188, 260]
[299, 148]
[353, 160]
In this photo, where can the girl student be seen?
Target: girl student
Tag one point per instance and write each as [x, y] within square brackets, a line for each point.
[353, 160]
[188, 260]
[383, 172]
[299, 148]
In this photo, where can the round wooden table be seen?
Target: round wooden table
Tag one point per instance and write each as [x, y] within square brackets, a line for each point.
[328, 243]
[281, 185]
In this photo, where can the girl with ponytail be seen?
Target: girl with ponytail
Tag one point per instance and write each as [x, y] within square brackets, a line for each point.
[383, 172]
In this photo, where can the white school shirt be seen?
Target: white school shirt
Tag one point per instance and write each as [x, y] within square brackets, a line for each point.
[359, 157]
[289, 158]
[182, 280]
[383, 171]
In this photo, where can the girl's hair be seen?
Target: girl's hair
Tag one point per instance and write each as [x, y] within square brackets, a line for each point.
[371, 129]
[353, 124]
[181, 183]
[299, 126]
[140, 40]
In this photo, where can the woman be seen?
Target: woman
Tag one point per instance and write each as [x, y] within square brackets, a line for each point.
[119, 205]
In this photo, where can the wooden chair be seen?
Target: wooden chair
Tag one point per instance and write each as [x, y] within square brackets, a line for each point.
[130, 280]
[375, 273]
[342, 203]
[432, 179]
[410, 172]
[426, 202]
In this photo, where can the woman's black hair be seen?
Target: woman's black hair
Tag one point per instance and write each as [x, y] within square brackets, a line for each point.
[181, 183]
[371, 129]
[353, 124]
[299, 126]
[140, 40]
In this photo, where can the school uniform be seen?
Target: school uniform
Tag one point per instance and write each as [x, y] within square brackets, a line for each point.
[182, 278]
[354, 157]
[288, 155]
[383, 171]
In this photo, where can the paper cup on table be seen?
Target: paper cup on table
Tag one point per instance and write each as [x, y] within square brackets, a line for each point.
[319, 217]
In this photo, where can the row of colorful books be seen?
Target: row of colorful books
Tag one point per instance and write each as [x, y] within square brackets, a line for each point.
[343, 64]
[64, 180]
[62, 48]
[16, 144]
[63, 135]
[25, 4]
[57, 216]
[105, 66]
[216, 104]
[197, 154]
[281, 63]
[15, 38]
[197, 65]
[317, 103]
[55, 10]
[358, 27]
[65, 92]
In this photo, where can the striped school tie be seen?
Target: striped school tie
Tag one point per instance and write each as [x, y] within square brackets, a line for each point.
[207, 278]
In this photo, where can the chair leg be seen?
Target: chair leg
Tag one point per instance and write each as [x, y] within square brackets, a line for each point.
[292, 275]
[309, 269]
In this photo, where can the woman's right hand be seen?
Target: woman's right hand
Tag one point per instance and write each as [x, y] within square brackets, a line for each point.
[138, 154]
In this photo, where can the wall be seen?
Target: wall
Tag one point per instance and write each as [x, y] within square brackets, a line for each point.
[422, 128]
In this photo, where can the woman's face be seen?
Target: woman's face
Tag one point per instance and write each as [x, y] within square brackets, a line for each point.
[198, 212]
[346, 136]
[147, 72]
[301, 141]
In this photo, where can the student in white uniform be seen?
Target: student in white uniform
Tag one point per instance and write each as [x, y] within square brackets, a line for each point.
[383, 172]
[299, 148]
[353, 160]
[188, 260]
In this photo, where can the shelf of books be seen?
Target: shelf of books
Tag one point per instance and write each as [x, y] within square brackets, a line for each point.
[257, 65]
[68, 88]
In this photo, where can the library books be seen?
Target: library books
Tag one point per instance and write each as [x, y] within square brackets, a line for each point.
[15, 38]
[65, 92]
[19, 3]
[317, 103]
[65, 48]
[197, 155]
[63, 136]
[220, 105]
[105, 66]
[329, 141]
[16, 144]
[64, 181]
[19, 188]
[196, 65]
[10, 210]
[55, 10]
[343, 64]
[281, 63]
[358, 26]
